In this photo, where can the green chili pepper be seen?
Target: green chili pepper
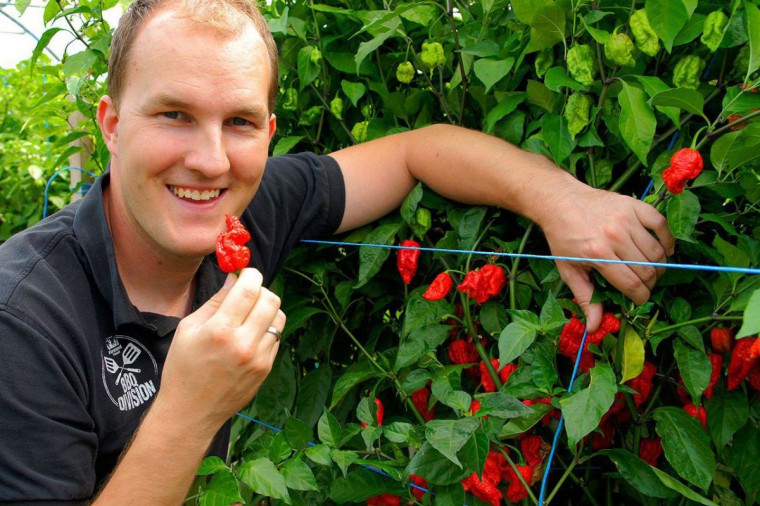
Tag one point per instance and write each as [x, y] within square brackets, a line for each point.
[291, 100]
[336, 107]
[310, 115]
[423, 220]
[619, 50]
[687, 71]
[581, 64]
[646, 38]
[315, 56]
[544, 61]
[712, 33]
[359, 131]
[405, 72]
[577, 113]
[432, 54]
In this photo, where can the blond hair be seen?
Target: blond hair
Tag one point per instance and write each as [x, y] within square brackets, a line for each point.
[221, 15]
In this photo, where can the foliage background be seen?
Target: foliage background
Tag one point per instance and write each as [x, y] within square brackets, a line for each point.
[356, 331]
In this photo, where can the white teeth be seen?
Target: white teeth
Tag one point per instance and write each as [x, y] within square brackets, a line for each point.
[195, 194]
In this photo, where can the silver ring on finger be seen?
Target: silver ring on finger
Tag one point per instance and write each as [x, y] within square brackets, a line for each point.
[276, 333]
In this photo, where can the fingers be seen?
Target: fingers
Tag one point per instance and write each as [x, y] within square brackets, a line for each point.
[578, 280]
[211, 306]
[242, 297]
[653, 220]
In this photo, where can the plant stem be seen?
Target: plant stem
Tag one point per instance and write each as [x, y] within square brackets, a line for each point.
[516, 265]
[568, 472]
[577, 481]
[704, 319]
[519, 475]
[450, 12]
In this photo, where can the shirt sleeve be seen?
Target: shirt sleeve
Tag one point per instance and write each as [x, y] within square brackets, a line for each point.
[301, 196]
[50, 460]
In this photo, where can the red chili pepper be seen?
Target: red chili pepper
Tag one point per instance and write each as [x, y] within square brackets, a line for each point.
[532, 448]
[754, 377]
[570, 338]
[231, 254]
[643, 383]
[485, 377]
[754, 353]
[495, 464]
[650, 450]
[697, 412]
[407, 259]
[683, 395]
[420, 482]
[462, 351]
[741, 361]
[439, 288]
[516, 491]
[483, 491]
[384, 500]
[475, 407]
[722, 339]
[506, 372]
[717, 367]
[483, 284]
[420, 399]
[494, 278]
[685, 164]
[554, 413]
[473, 286]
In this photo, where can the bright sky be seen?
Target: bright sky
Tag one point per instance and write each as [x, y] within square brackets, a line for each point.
[17, 44]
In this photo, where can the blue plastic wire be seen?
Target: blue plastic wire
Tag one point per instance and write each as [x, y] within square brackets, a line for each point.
[693, 267]
[83, 189]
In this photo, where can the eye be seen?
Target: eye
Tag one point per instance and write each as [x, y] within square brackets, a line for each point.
[171, 114]
[238, 121]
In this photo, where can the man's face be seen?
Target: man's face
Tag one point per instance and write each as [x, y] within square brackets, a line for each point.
[189, 139]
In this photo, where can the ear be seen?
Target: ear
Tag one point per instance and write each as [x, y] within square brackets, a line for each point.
[272, 126]
[108, 119]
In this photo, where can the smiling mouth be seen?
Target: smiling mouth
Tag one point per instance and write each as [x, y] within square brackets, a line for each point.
[195, 195]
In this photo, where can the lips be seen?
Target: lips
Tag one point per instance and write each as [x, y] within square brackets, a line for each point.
[195, 194]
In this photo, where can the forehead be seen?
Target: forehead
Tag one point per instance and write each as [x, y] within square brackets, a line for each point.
[175, 54]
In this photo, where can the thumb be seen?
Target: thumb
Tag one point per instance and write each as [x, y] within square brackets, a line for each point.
[579, 282]
[210, 307]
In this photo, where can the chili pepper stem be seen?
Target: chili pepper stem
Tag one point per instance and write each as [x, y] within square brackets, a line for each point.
[478, 345]
[515, 266]
[693, 322]
[519, 475]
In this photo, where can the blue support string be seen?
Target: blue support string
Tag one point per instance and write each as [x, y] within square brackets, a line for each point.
[693, 267]
[82, 190]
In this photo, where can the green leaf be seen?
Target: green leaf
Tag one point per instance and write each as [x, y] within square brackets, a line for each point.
[469, 227]
[552, 315]
[211, 465]
[354, 91]
[420, 342]
[420, 14]
[633, 354]
[637, 121]
[475, 451]
[514, 340]
[286, 144]
[517, 426]
[449, 436]
[222, 491]
[298, 475]
[654, 85]
[445, 393]
[329, 430]
[556, 78]
[751, 322]
[694, 366]
[279, 448]
[547, 27]
[43, 42]
[686, 445]
[683, 213]
[735, 149]
[361, 484]
[682, 98]
[390, 28]
[78, 64]
[728, 412]
[399, 432]
[372, 259]
[541, 96]
[682, 489]
[297, 433]
[752, 12]
[319, 454]
[276, 396]
[739, 100]
[264, 478]
[312, 394]
[491, 71]
[420, 313]
[584, 410]
[351, 378]
[557, 137]
[343, 459]
[638, 474]
[21, 6]
[433, 466]
[667, 17]
[742, 457]
[507, 104]
[409, 206]
[502, 405]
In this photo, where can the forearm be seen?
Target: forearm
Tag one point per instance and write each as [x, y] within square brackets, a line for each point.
[161, 462]
[464, 165]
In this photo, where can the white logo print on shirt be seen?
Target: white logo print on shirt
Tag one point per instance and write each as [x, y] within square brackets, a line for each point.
[129, 371]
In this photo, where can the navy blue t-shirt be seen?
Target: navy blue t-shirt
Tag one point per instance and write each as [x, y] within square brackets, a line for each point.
[79, 364]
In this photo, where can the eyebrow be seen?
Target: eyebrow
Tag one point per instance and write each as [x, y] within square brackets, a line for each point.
[170, 101]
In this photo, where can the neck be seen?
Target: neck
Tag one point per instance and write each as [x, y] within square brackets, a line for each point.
[154, 281]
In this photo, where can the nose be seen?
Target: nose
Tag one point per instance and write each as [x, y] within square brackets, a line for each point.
[208, 154]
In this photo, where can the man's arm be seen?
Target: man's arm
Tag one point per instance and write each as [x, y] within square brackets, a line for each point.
[219, 357]
[474, 168]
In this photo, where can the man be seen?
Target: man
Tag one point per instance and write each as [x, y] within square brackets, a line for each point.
[116, 294]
